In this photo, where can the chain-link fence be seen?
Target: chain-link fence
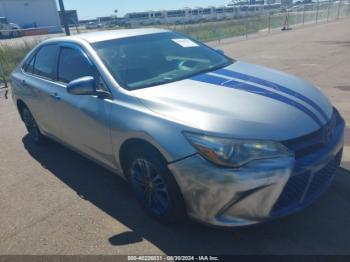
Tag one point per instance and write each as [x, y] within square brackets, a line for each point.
[298, 15]
[302, 14]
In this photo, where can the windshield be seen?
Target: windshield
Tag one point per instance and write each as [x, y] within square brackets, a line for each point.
[154, 59]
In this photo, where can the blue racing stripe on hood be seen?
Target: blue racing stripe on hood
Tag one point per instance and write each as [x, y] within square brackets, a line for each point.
[241, 76]
[216, 80]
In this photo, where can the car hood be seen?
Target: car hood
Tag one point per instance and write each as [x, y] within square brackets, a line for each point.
[242, 101]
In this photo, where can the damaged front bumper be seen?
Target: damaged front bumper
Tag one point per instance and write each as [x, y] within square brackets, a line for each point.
[231, 197]
[259, 191]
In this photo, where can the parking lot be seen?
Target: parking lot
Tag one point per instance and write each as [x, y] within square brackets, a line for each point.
[53, 201]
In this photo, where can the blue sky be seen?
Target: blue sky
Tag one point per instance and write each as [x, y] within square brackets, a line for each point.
[93, 8]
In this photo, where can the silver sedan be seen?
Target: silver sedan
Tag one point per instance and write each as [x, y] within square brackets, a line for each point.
[196, 133]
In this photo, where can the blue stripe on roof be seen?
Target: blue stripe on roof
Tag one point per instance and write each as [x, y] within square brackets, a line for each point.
[272, 85]
[216, 80]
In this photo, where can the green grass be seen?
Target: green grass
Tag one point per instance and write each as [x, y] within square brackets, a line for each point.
[211, 31]
[219, 30]
[11, 56]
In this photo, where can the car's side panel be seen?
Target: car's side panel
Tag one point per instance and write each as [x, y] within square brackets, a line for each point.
[85, 125]
[38, 94]
[80, 122]
[131, 119]
[84, 118]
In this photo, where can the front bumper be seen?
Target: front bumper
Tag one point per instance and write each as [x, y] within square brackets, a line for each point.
[259, 191]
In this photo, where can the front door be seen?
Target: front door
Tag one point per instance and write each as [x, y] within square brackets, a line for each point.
[84, 118]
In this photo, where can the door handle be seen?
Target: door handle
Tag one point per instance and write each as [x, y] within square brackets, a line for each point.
[55, 96]
[24, 83]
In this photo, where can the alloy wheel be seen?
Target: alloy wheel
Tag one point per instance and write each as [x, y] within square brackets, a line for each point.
[150, 187]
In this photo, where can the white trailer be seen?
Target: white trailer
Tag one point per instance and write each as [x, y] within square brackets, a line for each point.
[7, 29]
[198, 14]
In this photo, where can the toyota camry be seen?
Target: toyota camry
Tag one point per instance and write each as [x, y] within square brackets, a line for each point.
[195, 133]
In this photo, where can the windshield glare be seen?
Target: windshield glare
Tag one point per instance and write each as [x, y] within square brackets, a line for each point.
[154, 59]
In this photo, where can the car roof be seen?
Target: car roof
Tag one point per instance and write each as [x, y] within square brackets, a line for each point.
[112, 34]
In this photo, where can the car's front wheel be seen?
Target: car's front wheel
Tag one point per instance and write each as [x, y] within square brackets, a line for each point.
[32, 126]
[154, 185]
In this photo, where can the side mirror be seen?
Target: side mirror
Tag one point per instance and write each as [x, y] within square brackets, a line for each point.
[220, 51]
[86, 86]
[82, 86]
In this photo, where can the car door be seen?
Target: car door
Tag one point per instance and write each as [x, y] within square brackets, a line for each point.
[84, 118]
[39, 90]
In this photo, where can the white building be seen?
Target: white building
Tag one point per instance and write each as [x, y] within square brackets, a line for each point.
[32, 13]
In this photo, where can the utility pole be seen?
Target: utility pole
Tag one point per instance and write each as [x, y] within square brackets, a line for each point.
[318, 7]
[64, 19]
[116, 17]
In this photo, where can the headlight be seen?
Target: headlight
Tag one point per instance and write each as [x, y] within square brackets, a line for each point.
[235, 152]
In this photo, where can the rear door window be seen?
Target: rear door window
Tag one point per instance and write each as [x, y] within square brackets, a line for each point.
[45, 61]
[29, 67]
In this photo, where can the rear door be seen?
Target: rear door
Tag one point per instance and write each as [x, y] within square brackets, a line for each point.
[38, 88]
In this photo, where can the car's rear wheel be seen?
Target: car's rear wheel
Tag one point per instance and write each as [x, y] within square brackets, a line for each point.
[32, 126]
[154, 185]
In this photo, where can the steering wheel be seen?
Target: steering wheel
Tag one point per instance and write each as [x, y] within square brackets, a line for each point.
[187, 65]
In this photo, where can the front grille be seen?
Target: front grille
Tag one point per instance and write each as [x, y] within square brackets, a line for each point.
[311, 143]
[304, 188]
[323, 178]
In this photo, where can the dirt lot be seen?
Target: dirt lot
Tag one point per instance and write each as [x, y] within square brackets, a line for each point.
[53, 201]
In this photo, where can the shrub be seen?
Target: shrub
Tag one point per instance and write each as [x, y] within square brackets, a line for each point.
[11, 54]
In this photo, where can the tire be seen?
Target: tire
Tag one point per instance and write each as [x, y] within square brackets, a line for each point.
[14, 34]
[32, 126]
[154, 186]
